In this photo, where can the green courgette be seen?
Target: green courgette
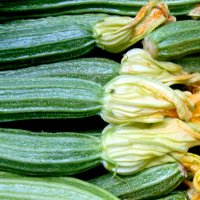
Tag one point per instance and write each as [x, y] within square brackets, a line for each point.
[19, 9]
[190, 63]
[99, 70]
[176, 195]
[13, 187]
[124, 150]
[124, 99]
[31, 42]
[151, 183]
[174, 40]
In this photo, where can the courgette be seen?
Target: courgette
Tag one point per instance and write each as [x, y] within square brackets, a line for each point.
[124, 99]
[125, 150]
[190, 63]
[19, 9]
[176, 195]
[99, 70]
[155, 181]
[31, 42]
[48, 154]
[13, 186]
[174, 40]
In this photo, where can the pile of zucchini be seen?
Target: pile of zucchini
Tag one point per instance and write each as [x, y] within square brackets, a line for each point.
[100, 100]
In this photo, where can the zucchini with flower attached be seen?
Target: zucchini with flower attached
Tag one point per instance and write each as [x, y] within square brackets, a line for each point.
[13, 186]
[31, 42]
[124, 99]
[123, 150]
[101, 70]
[173, 41]
[19, 9]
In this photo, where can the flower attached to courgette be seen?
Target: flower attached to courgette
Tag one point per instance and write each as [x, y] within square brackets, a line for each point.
[115, 34]
[128, 99]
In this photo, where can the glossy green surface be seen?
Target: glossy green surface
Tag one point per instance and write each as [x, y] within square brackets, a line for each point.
[48, 98]
[16, 9]
[147, 184]
[32, 42]
[99, 70]
[175, 40]
[47, 154]
[14, 187]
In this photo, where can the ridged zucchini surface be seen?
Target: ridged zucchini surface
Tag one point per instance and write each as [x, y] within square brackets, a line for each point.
[32, 42]
[176, 195]
[47, 154]
[99, 70]
[16, 9]
[174, 40]
[15, 187]
[46, 98]
[147, 184]
[190, 63]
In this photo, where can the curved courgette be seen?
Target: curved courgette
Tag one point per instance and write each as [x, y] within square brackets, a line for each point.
[13, 186]
[19, 9]
[176, 195]
[48, 154]
[174, 40]
[155, 181]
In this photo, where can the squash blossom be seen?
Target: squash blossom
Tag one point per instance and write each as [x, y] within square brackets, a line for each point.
[129, 149]
[139, 62]
[115, 34]
[128, 99]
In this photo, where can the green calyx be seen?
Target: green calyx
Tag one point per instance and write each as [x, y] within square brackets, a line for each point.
[115, 34]
[129, 149]
[128, 99]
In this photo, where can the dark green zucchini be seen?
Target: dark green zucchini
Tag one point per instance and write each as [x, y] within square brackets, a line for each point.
[148, 184]
[48, 154]
[16, 9]
[174, 40]
[176, 195]
[22, 46]
[99, 70]
[190, 63]
[13, 187]
[32, 42]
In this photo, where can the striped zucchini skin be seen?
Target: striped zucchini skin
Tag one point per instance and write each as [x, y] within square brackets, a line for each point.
[190, 63]
[176, 195]
[147, 184]
[48, 98]
[174, 40]
[17, 9]
[47, 154]
[24, 44]
[13, 187]
[99, 70]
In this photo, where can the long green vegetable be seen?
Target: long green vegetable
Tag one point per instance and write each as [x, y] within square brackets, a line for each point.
[124, 150]
[31, 42]
[19, 9]
[125, 99]
[16, 187]
[101, 70]
[148, 184]
[175, 40]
